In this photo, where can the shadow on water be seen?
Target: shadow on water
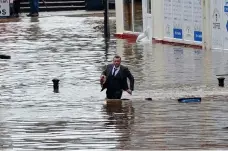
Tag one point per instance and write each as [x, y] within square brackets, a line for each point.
[6, 142]
[34, 31]
[107, 41]
[121, 117]
[44, 128]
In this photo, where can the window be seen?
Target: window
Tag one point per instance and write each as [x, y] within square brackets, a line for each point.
[133, 15]
[127, 15]
[138, 18]
[149, 6]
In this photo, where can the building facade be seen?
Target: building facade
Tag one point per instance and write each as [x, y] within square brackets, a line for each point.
[201, 23]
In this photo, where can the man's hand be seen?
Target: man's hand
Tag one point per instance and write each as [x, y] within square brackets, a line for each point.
[129, 91]
[102, 79]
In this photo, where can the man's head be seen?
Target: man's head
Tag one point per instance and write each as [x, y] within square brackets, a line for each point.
[117, 61]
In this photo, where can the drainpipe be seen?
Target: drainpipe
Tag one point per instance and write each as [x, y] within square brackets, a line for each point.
[207, 33]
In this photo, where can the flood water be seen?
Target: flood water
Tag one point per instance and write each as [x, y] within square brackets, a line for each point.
[73, 50]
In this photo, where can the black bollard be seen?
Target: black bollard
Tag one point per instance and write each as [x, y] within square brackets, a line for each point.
[148, 99]
[4, 57]
[221, 81]
[56, 85]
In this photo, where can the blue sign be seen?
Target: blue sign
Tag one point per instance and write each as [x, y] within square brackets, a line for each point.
[198, 36]
[177, 33]
[225, 9]
[227, 26]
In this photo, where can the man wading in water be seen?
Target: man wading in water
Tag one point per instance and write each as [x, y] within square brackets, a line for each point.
[114, 78]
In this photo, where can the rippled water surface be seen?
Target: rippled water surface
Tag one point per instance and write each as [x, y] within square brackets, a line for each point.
[72, 49]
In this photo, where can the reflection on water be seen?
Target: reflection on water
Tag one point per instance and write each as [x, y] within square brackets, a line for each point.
[73, 50]
[121, 118]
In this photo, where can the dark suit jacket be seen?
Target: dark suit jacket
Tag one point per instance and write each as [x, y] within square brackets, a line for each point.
[124, 73]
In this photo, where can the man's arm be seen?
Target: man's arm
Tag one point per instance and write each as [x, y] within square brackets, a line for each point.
[131, 78]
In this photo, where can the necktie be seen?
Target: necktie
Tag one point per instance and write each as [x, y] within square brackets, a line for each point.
[114, 71]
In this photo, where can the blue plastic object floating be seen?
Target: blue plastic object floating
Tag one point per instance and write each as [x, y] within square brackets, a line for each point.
[189, 100]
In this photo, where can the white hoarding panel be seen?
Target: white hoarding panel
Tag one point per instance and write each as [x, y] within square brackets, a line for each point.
[4, 8]
[197, 20]
[168, 19]
[188, 20]
[177, 19]
[225, 23]
[185, 19]
[217, 31]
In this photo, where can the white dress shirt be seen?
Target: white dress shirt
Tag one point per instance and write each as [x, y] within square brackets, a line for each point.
[116, 70]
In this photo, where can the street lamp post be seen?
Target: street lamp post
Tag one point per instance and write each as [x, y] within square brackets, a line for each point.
[106, 19]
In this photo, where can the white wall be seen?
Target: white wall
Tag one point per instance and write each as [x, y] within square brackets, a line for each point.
[119, 16]
[158, 21]
[219, 24]
[207, 35]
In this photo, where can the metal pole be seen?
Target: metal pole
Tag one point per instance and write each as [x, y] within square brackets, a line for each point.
[106, 19]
